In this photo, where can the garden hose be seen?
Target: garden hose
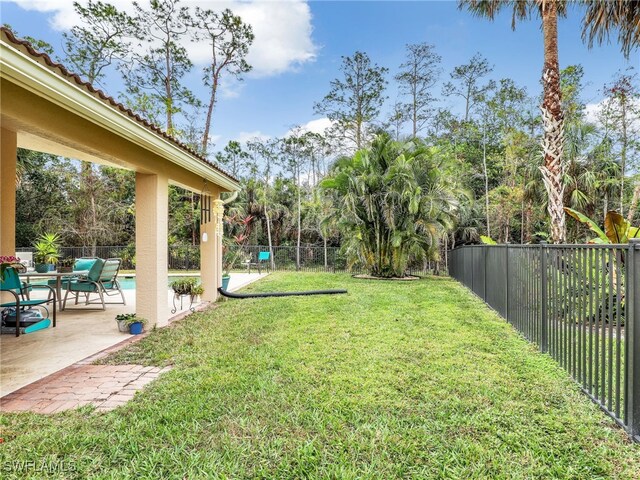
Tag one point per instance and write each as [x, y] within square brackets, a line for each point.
[277, 294]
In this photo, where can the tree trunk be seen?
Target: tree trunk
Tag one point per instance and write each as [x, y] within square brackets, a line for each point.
[486, 175]
[528, 213]
[207, 125]
[326, 265]
[553, 123]
[94, 223]
[623, 153]
[299, 219]
[266, 216]
[466, 105]
[634, 202]
[446, 252]
[194, 224]
[415, 101]
[167, 87]
[522, 222]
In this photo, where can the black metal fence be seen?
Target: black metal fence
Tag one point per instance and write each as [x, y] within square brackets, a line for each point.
[579, 303]
[187, 257]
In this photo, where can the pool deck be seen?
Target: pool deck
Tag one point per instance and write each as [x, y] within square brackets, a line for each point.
[78, 335]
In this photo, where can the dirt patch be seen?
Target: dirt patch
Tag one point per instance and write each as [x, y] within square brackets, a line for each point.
[408, 278]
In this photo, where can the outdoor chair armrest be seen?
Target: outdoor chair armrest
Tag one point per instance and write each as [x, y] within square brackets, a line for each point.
[52, 291]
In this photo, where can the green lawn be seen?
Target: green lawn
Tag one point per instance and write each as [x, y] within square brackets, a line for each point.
[393, 380]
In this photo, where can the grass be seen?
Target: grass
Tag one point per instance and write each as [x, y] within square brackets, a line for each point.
[393, 380]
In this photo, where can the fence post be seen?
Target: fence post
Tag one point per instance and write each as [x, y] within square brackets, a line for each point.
[485, 252]
[544, 341]
[471, 250]
[506, 282]
[632, 336]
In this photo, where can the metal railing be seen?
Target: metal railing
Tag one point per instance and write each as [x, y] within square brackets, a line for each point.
[187, 257]
[578, 303]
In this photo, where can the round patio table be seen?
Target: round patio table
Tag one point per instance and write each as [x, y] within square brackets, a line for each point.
[58, 276]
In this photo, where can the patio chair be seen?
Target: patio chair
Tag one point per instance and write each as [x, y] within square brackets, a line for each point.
[263, 257]
[82, 264]
[101, 280]
[11, 283]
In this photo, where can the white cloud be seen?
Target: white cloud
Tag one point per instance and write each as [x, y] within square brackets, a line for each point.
[213, 139]
[282, 29]
[319, 125]
[244, 137]
[594, 111]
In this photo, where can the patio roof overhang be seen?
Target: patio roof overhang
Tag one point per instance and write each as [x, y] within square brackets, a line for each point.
[44, 107]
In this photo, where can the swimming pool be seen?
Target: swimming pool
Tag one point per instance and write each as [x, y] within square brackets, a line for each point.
[127, 282]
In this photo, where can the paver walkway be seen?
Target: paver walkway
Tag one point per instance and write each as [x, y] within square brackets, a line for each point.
[105, 386]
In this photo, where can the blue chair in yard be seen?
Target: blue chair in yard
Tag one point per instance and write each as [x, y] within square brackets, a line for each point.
[263, 258]
[102, 280]
[20, 313]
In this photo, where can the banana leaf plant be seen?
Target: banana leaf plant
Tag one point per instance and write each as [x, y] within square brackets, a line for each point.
[617, 229]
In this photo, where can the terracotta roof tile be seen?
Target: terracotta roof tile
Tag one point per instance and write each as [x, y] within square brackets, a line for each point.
[74, 78]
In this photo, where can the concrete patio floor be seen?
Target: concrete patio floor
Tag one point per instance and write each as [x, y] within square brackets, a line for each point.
[78, 334]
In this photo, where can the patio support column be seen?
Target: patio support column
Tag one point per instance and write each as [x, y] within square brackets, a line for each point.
[152, 216]
[218, 215]
[209, 261]
[8, 158]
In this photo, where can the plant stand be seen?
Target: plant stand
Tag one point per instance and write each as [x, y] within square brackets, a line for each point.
[181, 297]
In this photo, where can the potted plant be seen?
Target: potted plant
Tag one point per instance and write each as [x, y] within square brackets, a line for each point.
[123, 321]
[47, 252]
[136, 325]
[197, 290]
[239, 241]
[7, 261]
[183, 287]
[66, 265]
[130, 322]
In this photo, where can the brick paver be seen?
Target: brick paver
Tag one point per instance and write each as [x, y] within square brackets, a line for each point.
[105, 386]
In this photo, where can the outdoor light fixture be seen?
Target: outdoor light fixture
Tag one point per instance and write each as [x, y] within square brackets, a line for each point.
[205, 237]
[205, 207]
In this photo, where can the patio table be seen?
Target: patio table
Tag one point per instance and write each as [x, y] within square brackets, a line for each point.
[58, 276]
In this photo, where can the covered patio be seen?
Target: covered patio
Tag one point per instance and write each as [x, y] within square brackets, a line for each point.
[46, 108]
[79, 334]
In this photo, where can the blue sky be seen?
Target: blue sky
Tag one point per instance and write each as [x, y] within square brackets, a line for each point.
[299, 44]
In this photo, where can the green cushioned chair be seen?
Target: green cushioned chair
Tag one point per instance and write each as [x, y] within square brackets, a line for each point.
[80, 265]
[102, 280]
[11, 283]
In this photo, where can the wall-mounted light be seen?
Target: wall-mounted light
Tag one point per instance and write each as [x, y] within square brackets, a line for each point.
[205, 237]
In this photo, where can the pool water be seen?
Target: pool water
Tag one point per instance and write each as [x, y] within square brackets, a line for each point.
[129, 283]
[126, 282]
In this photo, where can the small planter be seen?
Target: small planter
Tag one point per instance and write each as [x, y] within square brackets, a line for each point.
[225, 281]
[136, 328]
[123, 326]
[42, 267]
[185, 287]
[130, 323]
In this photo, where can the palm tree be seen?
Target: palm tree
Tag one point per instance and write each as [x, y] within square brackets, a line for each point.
[553, 121]
[394, 202]
[603, 16]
